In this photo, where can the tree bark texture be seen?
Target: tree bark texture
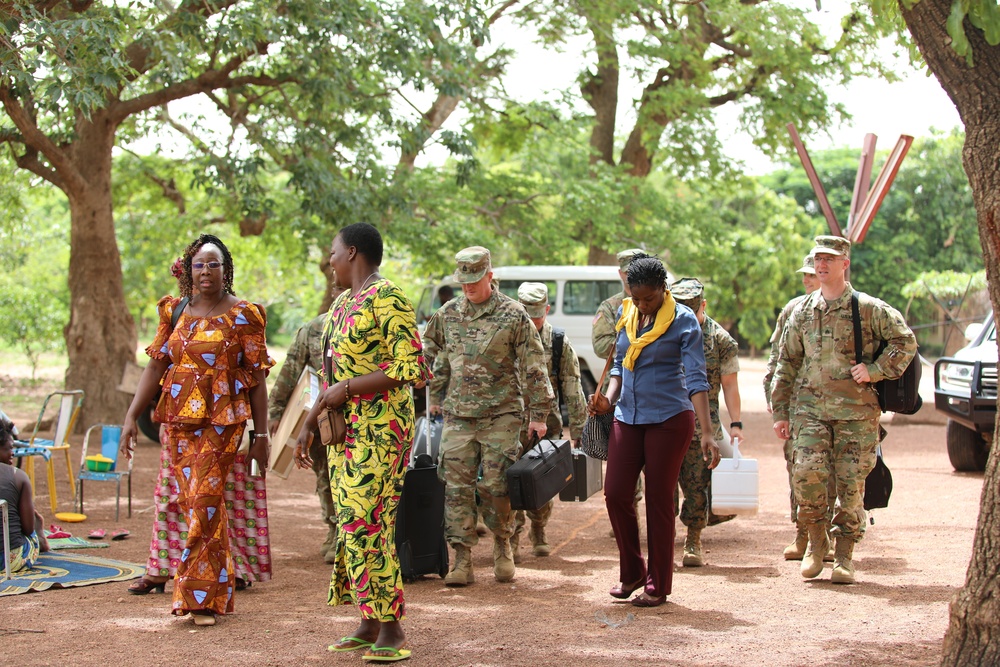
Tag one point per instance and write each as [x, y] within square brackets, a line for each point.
[973, 636]
[100, 335]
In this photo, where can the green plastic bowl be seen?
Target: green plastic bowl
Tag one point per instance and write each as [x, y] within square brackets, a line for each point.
[99, 463]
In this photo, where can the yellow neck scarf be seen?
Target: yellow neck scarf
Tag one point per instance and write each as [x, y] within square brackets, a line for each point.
[630, 320]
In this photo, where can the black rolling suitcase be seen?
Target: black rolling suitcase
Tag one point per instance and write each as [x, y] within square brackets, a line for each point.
[540, 474]
[588, 478]
[420, 541]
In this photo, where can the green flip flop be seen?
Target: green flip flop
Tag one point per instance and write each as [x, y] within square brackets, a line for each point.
[395, 655]
[356, 643]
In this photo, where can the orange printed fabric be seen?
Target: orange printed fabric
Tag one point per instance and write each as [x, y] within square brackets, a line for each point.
[212, 361]
[203, 458]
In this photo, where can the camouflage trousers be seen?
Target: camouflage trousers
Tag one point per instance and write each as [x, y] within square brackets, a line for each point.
[467, 444]
[695, 482]
[317, 452]
[539, 517]
[844, 450]
[831, 486]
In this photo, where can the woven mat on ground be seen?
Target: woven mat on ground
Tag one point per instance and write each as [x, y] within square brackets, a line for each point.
[76, 543]
[67, 570]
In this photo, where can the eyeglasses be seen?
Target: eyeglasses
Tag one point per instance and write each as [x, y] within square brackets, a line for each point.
[198, 266]
[826, 259]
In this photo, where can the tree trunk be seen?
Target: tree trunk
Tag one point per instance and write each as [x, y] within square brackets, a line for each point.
[973, 636]
[100, 335]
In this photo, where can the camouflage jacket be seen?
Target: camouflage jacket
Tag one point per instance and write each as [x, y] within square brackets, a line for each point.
[816, 355]
[488, 359]
[772, 359]
[572, 389]
[604, 334]
[721, 359]
[305, 350]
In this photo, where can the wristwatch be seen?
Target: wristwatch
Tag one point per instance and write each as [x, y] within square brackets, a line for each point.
[738, 425]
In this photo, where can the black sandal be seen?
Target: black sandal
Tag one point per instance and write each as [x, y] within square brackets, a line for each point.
[144, 587]
[243, 584]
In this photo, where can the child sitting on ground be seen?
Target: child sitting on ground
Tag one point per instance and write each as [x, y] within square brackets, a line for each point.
[27, 538]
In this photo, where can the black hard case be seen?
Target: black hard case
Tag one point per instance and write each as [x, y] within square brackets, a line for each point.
[540, 474]
[420, 541]
[588, 478]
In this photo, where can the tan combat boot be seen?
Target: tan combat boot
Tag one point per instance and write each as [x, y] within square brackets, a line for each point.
[503, 560]
[692, 549]
[461, 570]
[843, 568]
[797, 549]
[539, 545]
[819, 544]
[515, 545]
[828, 558]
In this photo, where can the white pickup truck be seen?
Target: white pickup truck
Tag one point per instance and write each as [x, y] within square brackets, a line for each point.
[965, 389]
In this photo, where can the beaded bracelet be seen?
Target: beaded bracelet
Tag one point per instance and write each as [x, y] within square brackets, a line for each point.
[347, 389]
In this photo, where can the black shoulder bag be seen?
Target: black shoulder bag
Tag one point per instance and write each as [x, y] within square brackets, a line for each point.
[878, 484]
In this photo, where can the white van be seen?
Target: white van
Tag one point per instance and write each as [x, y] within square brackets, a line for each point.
[575, 292]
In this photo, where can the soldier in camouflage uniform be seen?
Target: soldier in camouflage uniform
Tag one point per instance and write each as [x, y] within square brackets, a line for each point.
[796, 549]
[721, 365]
[835, 424]
[307, 350]
[565, 381]
[488, 358]
[604, 335]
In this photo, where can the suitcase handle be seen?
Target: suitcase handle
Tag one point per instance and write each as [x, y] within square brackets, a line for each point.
[535, 440]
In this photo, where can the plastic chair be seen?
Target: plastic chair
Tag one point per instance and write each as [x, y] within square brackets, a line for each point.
[6, 540]
[69, 404]
[110, 435]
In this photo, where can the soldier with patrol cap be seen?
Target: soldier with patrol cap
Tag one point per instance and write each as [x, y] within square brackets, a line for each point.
[565, 381]
[835, 423]
[488, 362]
[721, 365]
[796, 549]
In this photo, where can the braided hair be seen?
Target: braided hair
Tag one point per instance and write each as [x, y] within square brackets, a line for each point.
[186, 281]
[646, 271]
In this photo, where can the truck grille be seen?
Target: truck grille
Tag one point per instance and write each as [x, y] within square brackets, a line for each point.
[988, 380]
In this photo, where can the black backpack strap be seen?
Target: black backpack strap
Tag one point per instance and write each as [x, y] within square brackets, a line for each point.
[558, 340]
[178, 309]
[856, 316]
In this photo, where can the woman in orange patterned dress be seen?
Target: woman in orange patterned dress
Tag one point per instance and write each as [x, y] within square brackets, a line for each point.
[212, 366]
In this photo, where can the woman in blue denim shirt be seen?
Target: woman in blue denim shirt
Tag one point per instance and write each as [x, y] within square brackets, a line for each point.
[659, 383]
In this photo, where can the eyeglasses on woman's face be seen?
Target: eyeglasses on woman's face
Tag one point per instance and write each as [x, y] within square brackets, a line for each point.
[198, 266]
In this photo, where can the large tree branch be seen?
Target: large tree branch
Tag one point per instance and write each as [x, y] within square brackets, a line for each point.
[206, 81]
[29, 161]
[138, 53]
[37, 142]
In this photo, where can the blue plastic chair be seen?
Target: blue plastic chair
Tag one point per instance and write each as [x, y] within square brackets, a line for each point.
[68, 410]
[110, 435]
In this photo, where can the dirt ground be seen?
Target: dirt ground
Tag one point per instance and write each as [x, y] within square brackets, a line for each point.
[746, 607]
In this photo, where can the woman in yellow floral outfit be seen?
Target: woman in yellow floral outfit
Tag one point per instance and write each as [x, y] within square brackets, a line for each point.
[374, 353]
[212, 366]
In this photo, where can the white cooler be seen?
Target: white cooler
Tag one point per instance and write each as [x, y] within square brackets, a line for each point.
[735, 485]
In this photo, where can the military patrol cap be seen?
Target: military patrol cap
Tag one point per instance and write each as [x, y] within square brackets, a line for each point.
[831, 245]
[688, 289]
[625, 257]
[534, 297]
[808, 265]
[473, 263]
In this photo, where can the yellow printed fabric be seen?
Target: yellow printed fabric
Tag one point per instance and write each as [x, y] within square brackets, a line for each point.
[371, 331]
[630, 321]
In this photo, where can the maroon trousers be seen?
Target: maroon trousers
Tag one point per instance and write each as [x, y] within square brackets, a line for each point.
[660, 449]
